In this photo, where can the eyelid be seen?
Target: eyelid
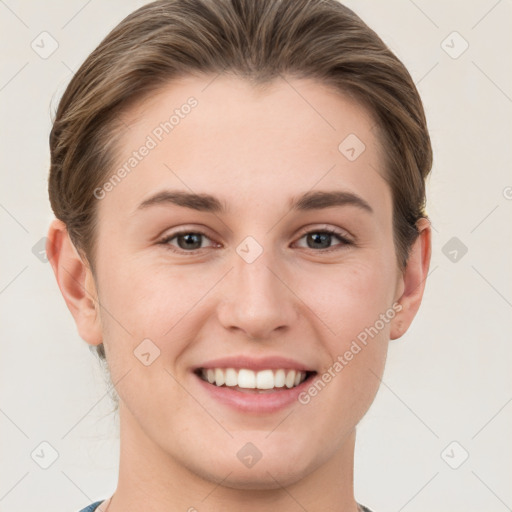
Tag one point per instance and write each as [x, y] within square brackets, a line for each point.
[326, 227]
[183, 228]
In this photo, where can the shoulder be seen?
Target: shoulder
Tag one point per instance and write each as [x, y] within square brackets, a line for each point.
[93, 506]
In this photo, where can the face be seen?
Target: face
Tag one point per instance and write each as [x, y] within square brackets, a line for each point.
[282, 267]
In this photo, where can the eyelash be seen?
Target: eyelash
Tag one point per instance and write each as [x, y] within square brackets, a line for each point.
[345, 241]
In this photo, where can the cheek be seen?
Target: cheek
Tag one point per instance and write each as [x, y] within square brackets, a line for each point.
[348, 297]
[159, 303]
[150, 297]
[354, 301]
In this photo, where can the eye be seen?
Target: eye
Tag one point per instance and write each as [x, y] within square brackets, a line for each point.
[321, 239]
[187, 240]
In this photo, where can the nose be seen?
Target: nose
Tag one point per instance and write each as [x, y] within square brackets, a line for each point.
[257, 298]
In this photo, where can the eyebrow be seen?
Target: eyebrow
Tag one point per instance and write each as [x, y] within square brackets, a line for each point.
[315, 200]
[200, 202]
[319, 199]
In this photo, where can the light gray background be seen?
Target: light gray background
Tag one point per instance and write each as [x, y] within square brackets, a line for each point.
[447, 379]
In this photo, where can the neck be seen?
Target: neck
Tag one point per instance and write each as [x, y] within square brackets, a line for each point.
[150, 479]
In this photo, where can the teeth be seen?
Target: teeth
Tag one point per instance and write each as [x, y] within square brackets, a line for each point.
[290, 379]
[246, 379]
[231, 377]
[249, 379]
[265, 379]
[219, 377]
[279, 378]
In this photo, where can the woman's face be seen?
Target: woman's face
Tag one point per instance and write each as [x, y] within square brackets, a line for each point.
[256, 279]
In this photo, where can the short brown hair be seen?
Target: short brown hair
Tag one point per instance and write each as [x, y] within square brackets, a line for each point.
[255, 40]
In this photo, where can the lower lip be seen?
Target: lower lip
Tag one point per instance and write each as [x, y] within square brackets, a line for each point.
[255, 402]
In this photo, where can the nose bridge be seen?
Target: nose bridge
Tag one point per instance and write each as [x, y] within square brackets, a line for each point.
[256, 301]
[254, 279]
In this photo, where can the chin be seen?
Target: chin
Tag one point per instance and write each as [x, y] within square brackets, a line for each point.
[270, 472]
[269, 477]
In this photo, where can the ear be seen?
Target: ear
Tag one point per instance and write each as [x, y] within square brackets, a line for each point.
[75, 281]
[412, 282]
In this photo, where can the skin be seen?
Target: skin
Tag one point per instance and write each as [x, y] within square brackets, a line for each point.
[254, 149]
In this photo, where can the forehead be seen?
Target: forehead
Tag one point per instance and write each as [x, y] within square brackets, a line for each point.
[222, 134]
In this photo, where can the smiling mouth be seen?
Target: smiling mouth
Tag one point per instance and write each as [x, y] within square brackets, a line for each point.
[249, 381]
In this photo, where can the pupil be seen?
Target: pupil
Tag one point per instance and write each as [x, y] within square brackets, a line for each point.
[318, 237]
[191, 239]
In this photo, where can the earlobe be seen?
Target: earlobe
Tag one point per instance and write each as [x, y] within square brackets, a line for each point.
[413, 280]
[75, 281]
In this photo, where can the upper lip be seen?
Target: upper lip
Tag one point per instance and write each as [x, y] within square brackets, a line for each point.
[253, 363]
